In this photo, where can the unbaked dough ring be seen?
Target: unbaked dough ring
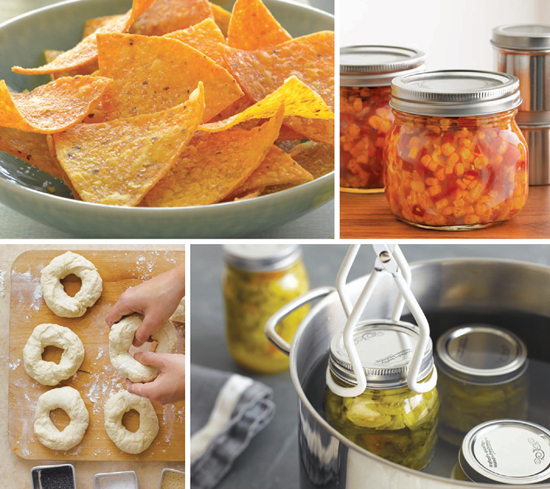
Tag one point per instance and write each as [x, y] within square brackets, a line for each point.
[129, 442]
[50, 373]
[120, 341]
[54, 294]
[70, 401]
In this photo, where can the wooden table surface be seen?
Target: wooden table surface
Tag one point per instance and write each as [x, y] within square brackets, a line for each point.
[368, 216]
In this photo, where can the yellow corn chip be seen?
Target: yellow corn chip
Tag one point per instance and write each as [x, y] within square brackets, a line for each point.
[151, 74]
[221, 17]
[88, 69]
[118, 162]
[213, 165]
[298, 99]
[92, 25]
[86, 51]
[204, 37]
[252, 27]
[316, 158]
[51, 108]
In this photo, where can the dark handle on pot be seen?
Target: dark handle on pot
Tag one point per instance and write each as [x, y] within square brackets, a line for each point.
[289, 308]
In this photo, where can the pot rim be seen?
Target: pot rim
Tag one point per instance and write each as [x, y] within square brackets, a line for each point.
[342, 439]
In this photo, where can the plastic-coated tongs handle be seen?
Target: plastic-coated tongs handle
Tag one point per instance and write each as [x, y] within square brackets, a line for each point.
[389, 259]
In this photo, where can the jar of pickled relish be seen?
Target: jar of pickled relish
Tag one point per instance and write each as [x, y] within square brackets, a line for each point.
[258, 281]
[366, 73]
[505, 451]
[455, 158]
[482, 376]
[388, 418]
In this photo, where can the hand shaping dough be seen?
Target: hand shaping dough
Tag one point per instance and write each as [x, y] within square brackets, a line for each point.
[120, 341]
[54, 294]
[47, 433]
[179, 313]
[124, 439]
[50, 373]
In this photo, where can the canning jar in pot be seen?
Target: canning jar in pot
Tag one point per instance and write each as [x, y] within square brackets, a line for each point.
[366, 73]
[388, 418]
[455, 157]
[482, 376]
[505, 451]
[258, 281]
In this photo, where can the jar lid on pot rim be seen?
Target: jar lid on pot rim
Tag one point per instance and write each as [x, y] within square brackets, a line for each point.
[522, 37]
[262, 258]
[506, 451]
[455, 93]
[481, 354]
[386, 349]
[372, 66]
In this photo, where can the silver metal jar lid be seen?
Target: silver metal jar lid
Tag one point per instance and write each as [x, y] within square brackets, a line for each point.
[371, 66]
[506, 451]
[262, 258]
[481, 354]
[456, 93]
[523, 37]
[385, 348]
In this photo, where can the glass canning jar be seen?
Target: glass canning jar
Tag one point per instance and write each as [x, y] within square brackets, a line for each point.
[505, 451]
[388, 418]
[482, 376]
[258, 281]
[454, 156]
[366, 73]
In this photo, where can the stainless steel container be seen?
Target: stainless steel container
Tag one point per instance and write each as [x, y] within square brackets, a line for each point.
[113, 480]
[466, 290]
[524, 51]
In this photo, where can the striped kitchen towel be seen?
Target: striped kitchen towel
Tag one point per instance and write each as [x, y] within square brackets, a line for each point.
[227, 411]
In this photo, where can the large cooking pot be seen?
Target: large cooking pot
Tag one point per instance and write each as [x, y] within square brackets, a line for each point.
[451, 292]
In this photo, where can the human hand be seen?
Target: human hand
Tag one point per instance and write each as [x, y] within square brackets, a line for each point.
[169, 386]
[156, 299]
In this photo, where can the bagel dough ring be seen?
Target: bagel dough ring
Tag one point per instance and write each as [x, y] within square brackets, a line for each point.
[129, 442]
[120, 341]
[70, 401]
[54, 294]
[50, 373]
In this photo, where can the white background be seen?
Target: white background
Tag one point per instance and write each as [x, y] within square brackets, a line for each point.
[452, 33]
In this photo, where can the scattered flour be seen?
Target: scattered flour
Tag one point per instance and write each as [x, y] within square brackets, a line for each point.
[27, 288]
[14, 365]
[2, 283]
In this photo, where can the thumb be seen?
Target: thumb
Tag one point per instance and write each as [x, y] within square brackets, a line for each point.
[139, 389]
[119, 310]
[158, 360]
[149, 324]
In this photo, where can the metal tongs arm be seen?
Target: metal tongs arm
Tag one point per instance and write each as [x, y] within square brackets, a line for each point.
[389, 259]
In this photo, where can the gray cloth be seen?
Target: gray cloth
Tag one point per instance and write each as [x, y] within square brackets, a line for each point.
[253, 411]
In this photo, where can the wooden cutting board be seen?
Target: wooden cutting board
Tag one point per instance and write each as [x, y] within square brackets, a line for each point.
[96, 379]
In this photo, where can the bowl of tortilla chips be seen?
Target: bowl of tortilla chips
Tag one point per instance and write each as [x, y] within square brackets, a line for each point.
[167, 118]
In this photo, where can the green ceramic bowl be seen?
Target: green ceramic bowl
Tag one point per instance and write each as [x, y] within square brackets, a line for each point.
[23, 188]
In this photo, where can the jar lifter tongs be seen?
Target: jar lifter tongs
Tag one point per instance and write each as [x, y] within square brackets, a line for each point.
[389, 259]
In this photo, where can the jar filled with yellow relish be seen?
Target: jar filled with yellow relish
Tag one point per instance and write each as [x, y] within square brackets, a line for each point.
[388, 418]
[454, 157]
[505, 452]
[366, 73]
[258, 281]
[482, 376]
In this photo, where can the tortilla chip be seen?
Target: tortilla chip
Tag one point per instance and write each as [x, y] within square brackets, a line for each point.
[253, 27]
[51, 108]
[310, 58]
[63, 176]
[166, 16]
[213, 165]
[317, 159]
[88, 69]
[32, 148]
[278, 168]
[204, 37]
[235, 108]
[118, 162]
[298, 99]
[86, 51]
[92, 25]
[151, 74]
[288, 134]
[221, 17]
[248, 195]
